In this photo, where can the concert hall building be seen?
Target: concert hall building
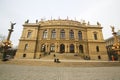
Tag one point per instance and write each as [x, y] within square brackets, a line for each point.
[61, 37]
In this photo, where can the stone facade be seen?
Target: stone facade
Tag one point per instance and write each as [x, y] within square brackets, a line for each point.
[62, 36]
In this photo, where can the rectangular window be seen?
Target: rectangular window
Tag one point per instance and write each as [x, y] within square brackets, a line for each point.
[29, 34]
[45, 34]
[24, 55]
[95, 36]
[62, 36]
[53, 35]
[97, 48]
[52, 48]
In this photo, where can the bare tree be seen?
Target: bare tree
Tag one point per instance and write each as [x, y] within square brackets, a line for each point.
[2, 37]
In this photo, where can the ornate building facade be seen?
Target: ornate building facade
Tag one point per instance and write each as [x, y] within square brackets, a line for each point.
[62, 37]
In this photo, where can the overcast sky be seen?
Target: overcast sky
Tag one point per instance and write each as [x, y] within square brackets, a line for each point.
[106, 12]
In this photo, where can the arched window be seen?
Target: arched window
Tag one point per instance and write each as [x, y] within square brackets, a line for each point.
[45, 34]
[97, 48]
[53, 34]
[62, 34]
[52, 48]
[26, 47]
[99, 57]
[71, 34]
[80, 35]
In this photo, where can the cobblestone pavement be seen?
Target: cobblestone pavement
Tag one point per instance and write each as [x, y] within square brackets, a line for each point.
[22, 72]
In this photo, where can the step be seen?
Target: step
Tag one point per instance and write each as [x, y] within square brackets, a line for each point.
[63, 56]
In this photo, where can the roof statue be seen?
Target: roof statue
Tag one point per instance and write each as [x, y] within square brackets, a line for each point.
[88, 23]
[51, 17]
[113, 29]
[98, 23]
[27, 21]
[36, 21]
[12, 25]
[67, 18]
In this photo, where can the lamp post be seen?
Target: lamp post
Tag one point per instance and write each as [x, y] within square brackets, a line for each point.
[116, 44]
[7, 43]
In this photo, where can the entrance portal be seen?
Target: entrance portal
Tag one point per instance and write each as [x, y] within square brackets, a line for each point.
[81, 49]
[71, 48]
[62, 48]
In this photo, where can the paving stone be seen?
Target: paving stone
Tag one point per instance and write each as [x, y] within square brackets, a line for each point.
[22, 72]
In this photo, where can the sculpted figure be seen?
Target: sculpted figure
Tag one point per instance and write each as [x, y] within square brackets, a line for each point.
[12, 25]
[27, 21]
[88, 23]
[98, 23]
[112, 27]
[36, 21]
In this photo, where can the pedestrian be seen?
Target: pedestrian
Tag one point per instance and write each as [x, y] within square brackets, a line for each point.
[39, 56]
[49, 53]
[55, 60]
[54, 55]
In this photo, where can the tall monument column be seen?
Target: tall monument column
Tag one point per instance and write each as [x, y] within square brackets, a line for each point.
[116, 45]
[7, 42]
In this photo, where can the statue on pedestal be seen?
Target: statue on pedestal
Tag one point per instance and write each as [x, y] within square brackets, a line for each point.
[12, 25]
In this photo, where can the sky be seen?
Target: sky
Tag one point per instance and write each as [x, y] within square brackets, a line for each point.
[106, 12]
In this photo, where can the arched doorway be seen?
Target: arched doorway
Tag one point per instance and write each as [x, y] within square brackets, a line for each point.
[52, 48]
[62, 48]
[81, 49]
[71, 48]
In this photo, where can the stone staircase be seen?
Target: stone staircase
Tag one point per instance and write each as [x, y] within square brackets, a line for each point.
[63, 56]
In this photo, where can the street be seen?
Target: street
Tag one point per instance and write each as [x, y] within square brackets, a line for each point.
[25, 72]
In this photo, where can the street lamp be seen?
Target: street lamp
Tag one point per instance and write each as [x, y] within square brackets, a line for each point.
[7, 43]
[116, 45]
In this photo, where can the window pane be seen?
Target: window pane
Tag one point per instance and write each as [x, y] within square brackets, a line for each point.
[95, 36]
[26, 46]
[45, 34]
[80, 35]
[52, 48]
[62, 34]
[29, 34]
[53, 34]
[71, 34]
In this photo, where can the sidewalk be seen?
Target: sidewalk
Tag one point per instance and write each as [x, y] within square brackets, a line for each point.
[51, 60]
[63, 63]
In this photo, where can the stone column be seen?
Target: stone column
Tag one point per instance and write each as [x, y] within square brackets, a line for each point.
[40, 34]
[39, 48]
[78, 48]
[56, 47]
[67, 34]
[75, 47]
[24, 33]
[57, 34]
[76, 35]
[58, 50]
[48, 46]
[66, 48]
[49, 34]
